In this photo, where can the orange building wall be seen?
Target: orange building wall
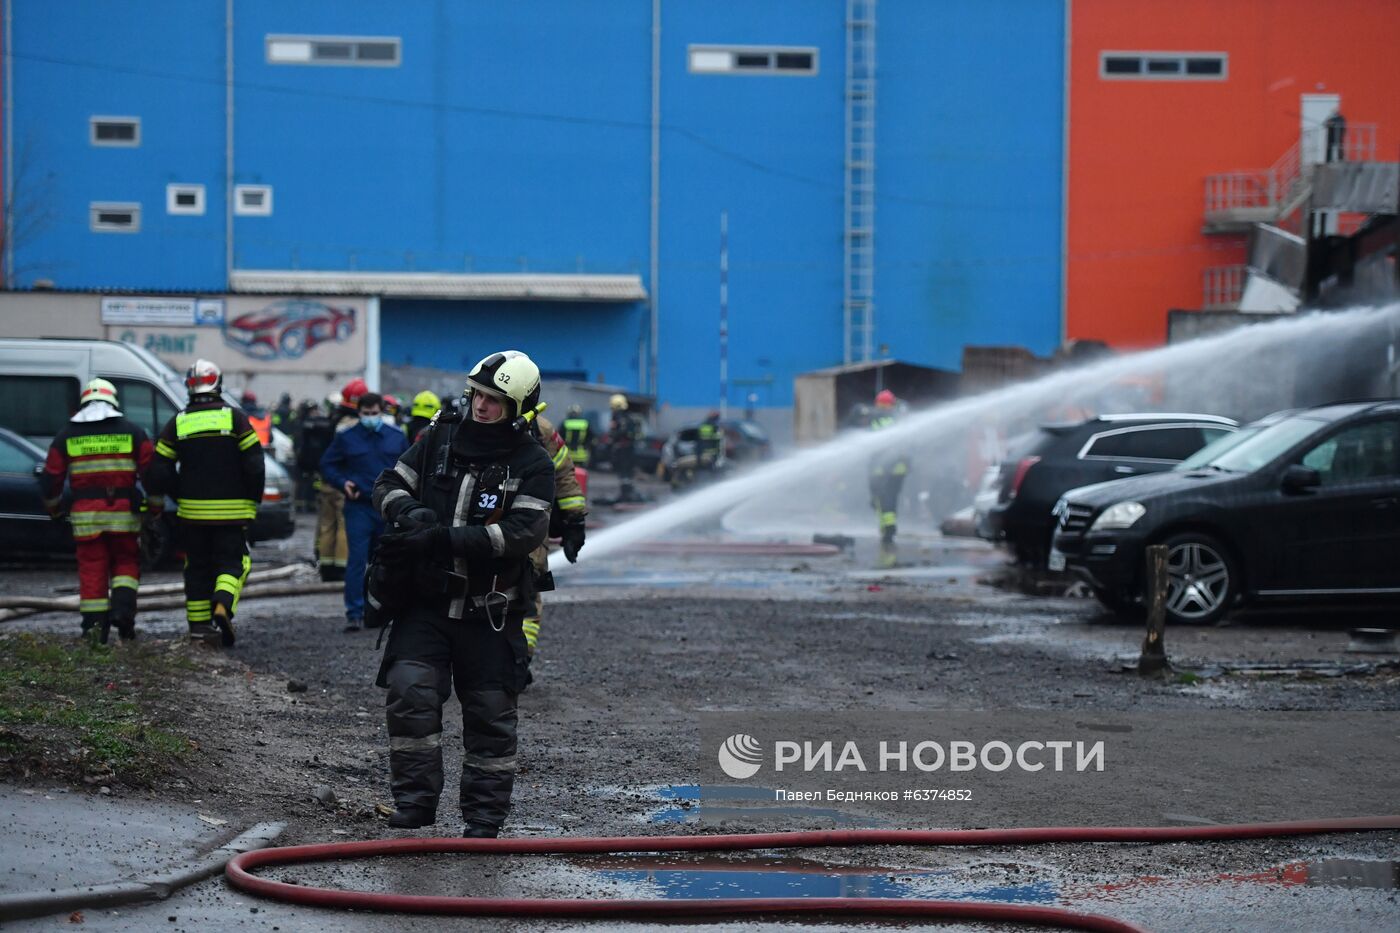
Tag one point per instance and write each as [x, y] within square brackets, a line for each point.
[1139, 150]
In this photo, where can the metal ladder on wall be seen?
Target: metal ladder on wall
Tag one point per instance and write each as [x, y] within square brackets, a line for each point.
[858, 299]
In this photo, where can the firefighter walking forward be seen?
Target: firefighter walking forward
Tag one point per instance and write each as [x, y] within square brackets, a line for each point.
[473, 495]
[102, 456]
[209, 460]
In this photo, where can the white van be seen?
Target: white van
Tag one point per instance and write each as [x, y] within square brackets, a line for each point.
[41, 379]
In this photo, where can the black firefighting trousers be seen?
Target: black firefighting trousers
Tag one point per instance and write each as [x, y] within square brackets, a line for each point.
[216, 567]
[428, 654]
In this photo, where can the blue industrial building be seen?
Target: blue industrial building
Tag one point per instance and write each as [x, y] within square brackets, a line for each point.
[580, 151]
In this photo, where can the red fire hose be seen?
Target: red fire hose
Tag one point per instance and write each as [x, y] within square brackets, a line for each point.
[240, 869]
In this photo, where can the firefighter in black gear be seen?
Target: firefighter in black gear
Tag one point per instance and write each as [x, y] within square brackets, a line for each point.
[469, 500]
[315, 431]
[623, 432]
[576, 436]
[709, 444]
[209, 460]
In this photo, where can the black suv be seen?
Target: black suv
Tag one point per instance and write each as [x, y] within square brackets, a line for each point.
[1058, 457]
[1301, 504]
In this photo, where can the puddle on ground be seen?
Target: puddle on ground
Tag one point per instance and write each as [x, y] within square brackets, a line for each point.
[1321, 873]
[687, 803]
[690, 802]
[709, 877]
[1353, 873]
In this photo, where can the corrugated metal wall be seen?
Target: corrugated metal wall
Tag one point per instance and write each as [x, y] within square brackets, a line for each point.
[516, 137]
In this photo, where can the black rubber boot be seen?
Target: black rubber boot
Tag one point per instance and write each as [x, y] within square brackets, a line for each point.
[223, 620]
[96, 627]
[412, 818]
[480, 831]
[123, 613]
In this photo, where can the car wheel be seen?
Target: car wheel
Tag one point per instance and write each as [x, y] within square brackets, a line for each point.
[1202, 579]
[343, 330]
[293, 342]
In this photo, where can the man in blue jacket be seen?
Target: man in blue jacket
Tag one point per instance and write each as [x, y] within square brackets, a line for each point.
[352, 463]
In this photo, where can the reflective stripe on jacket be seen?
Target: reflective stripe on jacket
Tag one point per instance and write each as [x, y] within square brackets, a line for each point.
[103, 462]
[210, 461]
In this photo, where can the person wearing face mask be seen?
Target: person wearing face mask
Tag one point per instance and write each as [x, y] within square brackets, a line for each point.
[350, 465]
[469, 501]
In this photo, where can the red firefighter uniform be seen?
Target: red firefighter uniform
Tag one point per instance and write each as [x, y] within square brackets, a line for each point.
[103, 457]
[217, 488]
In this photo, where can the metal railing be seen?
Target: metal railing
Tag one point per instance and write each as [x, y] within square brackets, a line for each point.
[1222, 287]
[1278, 187]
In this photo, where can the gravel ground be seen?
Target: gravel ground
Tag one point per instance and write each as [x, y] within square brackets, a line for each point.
[633, 648]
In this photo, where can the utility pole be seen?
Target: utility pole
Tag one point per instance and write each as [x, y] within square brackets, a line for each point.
[723, 314]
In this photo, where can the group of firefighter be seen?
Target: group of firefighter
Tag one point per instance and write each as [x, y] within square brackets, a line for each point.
[445, 525]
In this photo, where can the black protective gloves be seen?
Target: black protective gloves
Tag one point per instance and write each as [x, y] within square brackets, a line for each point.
[572, 540]
[413, 547]
[415, 517]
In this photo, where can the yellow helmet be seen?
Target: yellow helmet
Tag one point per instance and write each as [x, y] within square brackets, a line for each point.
[425, 404]
[618, 402]
[99, 390]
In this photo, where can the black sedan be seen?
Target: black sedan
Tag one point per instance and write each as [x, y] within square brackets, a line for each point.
[25, 528]
[1302, 505]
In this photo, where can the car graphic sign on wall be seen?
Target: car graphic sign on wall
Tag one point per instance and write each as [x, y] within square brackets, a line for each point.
[287, 329]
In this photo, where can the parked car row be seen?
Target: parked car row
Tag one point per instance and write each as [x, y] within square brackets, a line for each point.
[744, 442]
[656, 454]
[1302, 505]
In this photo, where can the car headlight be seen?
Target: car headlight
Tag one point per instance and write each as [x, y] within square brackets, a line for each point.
[1119, 515]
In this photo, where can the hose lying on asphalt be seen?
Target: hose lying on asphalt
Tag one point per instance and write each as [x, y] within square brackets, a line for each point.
[239, 871]
[170, 595]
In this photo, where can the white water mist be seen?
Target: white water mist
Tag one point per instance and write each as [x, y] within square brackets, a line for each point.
[806, 481]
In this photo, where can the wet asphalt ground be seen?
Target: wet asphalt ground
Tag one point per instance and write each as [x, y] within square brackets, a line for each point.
[635, 647]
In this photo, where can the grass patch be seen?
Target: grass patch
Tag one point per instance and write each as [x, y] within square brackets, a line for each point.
[95, 714]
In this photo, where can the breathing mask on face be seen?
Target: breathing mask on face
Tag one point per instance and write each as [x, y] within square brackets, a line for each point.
[372, 422]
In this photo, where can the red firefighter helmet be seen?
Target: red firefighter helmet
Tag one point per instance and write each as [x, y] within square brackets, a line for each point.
[885, 399]
[352, 391]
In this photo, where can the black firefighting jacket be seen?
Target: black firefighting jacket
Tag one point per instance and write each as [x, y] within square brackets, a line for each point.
[492, 487]
[219, 479]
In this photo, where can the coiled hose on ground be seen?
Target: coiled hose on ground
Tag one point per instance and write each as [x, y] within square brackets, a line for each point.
[240, 871]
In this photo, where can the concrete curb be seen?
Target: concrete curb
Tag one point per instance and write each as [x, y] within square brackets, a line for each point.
[153, 888]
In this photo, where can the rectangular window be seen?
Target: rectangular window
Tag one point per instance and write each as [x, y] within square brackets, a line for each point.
[38, 406]
[114, 131]
[752, 60]
[184, 199]
[143, 404]
[114, 217]
[1164, 66]
[252, 200]
[379, 51]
